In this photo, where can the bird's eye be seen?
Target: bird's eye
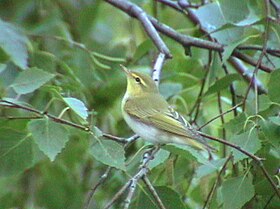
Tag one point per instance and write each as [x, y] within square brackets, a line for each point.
[138, 80]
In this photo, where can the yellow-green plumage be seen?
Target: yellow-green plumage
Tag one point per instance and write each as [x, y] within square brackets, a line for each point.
[150, 116]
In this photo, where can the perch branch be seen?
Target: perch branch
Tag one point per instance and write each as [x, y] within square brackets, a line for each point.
[157, 68]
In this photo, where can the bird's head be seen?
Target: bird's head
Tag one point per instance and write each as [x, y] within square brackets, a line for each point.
[139, 84]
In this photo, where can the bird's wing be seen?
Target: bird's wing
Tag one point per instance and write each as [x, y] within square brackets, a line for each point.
[167, 120]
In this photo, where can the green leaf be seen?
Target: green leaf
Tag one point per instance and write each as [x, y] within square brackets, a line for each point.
[274, 86]
[142, 49]
[58, 188]
[77, 106]
[108, 152]
[14, 43]
[222, 83]
[264, 102]
[210, 167]
[275, 120]
[271, 132]
[231, 46]
[236, 124]
[160, 157]
[244, 16]
[30, 80]
[169, 197]
[249, 141]
[2, 67]
[16, 152]
[186, 152]
[50, 137]
[169, 89]
[237, 191]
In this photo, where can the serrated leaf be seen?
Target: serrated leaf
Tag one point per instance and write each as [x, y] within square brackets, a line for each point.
[16, 153]
[237, 191]
[108, 152]
[77, 106]
[222, 83]
[169, 197]
[14, 43]
[248, 141]
[160, 157]
[50, 137]
[30, 80]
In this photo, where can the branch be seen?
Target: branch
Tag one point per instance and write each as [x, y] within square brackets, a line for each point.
[210, 194]
[274, 52]
[237, 147]
[9, 104]
[93, 190]
[131, 184]
[153, 191]
[175, 5]
[191, 41]
[218, 116]
[135, 11]
[252, 156]
[158, 67]
[241, 69]
[251, 61]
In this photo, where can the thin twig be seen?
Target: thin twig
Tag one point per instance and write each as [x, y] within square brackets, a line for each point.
[251, 61]
[223, 122]
[182, 4]
[117, 195]
[93, 190]
[250, 155]
[9, 104]
[273, 52]
[131, 184]
[137, 12]
[212, 191]
[191, 41]
[259, 62]
[203, 82]
[153, 192]
[244, 72]
[237, 147]
[218, 116]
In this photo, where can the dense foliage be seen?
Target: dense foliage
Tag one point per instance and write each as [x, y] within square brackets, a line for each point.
[61, 87]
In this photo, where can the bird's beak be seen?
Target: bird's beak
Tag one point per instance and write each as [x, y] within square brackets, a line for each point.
[125, 70]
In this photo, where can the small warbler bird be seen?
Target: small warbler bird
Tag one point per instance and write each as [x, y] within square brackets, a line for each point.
[149, 115]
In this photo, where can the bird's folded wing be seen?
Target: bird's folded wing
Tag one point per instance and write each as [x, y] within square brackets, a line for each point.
[166, 121]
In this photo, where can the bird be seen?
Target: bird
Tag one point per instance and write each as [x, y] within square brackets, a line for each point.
[150, 116]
